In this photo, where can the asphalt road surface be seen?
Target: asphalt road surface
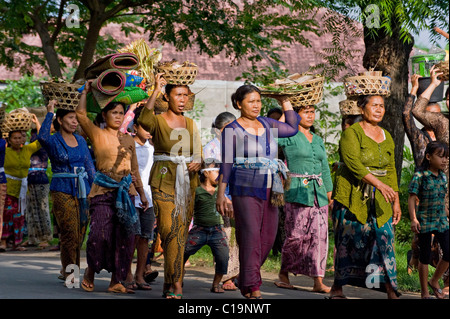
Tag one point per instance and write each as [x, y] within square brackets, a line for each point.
[33, 275]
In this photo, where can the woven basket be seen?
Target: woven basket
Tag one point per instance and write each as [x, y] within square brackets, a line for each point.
[311, 97]
[65, 93]
[163, 106]
[17, 120]
[349, 107]
[2, 113]
[178, 74]
[443, 67]
[371, 73]
[367, 85]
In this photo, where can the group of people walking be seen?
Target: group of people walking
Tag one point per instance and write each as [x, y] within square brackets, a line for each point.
[232, 190]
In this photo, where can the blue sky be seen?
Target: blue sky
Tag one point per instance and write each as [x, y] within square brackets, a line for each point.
[423, 40]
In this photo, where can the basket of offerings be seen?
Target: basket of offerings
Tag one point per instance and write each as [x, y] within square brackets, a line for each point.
[148, 58]
[367, 84]
[349, 107]
[65, 93]
[17, 120]
[301, 89]
[176, 73]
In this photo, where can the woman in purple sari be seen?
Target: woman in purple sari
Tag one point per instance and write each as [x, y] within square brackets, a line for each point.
[251, 170]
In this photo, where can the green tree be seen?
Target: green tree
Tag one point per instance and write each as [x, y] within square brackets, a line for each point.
[254, 30]
[22, 93]
[62, 35]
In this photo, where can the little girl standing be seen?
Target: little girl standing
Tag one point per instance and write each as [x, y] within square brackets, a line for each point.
[429, 185]
[208, 224]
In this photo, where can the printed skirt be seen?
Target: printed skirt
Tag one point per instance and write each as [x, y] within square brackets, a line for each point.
[365, 255]
[108, 246]
[13, 220]
[66, 209]
[173, 231]
[2, 205]
[305, 247]
[37, 214]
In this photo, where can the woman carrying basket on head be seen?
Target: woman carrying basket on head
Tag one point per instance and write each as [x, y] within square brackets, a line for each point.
[17, 163]
[114, 220]
[250, 168]
[366, 205]
[173, 177]
[73, 173]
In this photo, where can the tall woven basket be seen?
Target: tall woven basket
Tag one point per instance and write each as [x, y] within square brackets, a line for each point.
[178, 74]
[366, 84]
[310, 97]
[2, 121]
[17, 120]
[65, 93]
[2, 113]
[349, 107]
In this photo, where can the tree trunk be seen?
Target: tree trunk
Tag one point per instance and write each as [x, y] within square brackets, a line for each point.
[390, 55]
[48, 47]
[95, 25]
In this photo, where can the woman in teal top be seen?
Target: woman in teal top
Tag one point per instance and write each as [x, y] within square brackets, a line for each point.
[366, 205]
[305, 247]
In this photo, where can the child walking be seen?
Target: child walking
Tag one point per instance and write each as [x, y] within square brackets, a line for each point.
[208, 225]
[429, 185]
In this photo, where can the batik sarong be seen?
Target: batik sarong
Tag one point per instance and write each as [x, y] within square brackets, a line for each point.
[37, 214]
[66, 210]
[305, 246]
[365, 254]
[2, 205]
[173, 229]
[13, 220]
[109, 245]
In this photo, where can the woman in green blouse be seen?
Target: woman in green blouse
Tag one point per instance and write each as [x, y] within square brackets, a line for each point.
[305, 247]
[366, 205]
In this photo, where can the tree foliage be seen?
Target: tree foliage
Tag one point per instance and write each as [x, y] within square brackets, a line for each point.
[408, 16]
[59, 39]
[254, 30]
[22, 93]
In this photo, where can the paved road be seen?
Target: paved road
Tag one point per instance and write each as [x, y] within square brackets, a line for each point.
[32, 274]
[29, 284]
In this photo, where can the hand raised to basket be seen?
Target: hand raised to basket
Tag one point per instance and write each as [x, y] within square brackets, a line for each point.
[435, 74]
[51, 106]
[160, 82]
[88, 86]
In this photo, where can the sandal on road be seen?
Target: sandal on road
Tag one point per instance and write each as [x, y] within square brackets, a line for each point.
[151, 276]
[86, 285]
[143, 286]
[120, 289]
[229, 286]
[437, 291]
[284, 285]
[217, 289]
